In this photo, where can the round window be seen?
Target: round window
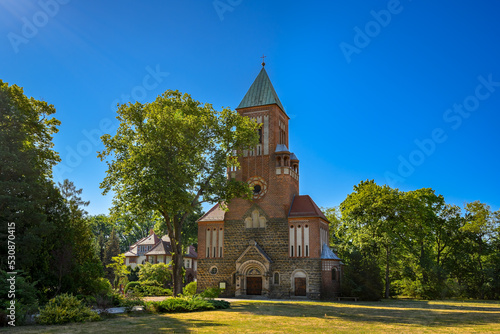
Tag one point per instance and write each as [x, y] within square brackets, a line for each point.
[256, 189]
[213, 270]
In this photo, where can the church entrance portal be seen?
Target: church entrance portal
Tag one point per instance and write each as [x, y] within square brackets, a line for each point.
[300, 286]
[254, 285]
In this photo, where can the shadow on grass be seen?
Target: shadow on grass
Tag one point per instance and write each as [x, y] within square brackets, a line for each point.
[124, 323]
[422, 313]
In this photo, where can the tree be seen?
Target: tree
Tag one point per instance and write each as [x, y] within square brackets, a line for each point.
[170, 155]
[158, 272]
[27, 158]
[372, 220]
[118, 269]
[111, 250]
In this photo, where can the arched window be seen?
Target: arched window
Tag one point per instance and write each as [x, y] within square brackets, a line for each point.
[278, 162]
[334, 274]
[276, 278]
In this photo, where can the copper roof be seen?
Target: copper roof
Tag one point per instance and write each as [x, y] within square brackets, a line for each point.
[328, 254]
[261, 93]
[304, 206]
[215, 214]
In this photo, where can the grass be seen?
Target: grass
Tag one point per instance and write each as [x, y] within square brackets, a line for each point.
[400, 316]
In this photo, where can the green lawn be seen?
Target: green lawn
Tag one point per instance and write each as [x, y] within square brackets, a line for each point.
[392, 316]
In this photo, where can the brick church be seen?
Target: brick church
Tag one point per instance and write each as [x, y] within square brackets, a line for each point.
[276, 244]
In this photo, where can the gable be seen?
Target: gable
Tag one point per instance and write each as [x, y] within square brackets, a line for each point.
[254, 252]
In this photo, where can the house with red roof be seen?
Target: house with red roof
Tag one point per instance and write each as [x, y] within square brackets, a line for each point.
[275, 244]
[159, 250]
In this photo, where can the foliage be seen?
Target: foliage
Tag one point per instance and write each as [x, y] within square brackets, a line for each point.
[147, 288]
[65, 308]
[190, 289]
[219, 304]
[134, 273]
[26, 299]
[158, 272]
[119, 269]
[169, 156]
[186, 304]
[211, 293]
[427, 248]
[131, 286]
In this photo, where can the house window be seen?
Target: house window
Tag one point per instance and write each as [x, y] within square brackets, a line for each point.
[213, 270]
[276, 278]
[334, 274]
[132, 260]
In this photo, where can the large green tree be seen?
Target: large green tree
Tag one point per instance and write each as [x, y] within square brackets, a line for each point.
[169, 156]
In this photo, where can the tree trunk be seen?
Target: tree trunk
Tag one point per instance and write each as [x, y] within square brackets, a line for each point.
[177, 258]
[387, 282]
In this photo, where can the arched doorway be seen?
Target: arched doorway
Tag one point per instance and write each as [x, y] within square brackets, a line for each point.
[253, 279]
[299, 283]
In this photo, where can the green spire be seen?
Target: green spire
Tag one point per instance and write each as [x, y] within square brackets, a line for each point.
[261, 93]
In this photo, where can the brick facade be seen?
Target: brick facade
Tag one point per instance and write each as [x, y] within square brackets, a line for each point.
[271, 245]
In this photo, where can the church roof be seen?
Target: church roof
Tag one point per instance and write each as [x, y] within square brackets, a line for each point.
[215, 214]
[304, 206]
[293, 157]
[261, 93]
[281, 148]
[328, 254]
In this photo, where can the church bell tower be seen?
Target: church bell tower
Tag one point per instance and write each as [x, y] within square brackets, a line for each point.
[270, 168]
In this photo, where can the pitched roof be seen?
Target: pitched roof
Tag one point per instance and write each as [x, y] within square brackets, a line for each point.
[304, 206]
[161, 248]
[261, 93]
[281, 148]
[215, 214]
[328, 254]
[191, 252]
[151, 239]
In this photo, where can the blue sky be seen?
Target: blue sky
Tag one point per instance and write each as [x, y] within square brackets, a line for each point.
[403, 92]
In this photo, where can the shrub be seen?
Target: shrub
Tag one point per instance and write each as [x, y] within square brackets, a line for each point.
[26, 299]
[66, 308]
[102, 286]
[190, 289]
[219, 304]
[159, 272]
[211, 293]
[148, 288]
[131, 286]
[181, 304]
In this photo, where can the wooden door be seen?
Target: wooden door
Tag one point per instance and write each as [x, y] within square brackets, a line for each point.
[300, 286]
[254, 285]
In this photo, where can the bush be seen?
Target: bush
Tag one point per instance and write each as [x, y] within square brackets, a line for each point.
[219, 304]
[158, 272]
[211, 293]
[147, 288]
[131, 286]
[190, 289]
[181, 304]
[26, 299]
[65, 308]
[102, 286]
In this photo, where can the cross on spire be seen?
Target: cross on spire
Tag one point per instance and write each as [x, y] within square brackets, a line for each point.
[263, 63]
